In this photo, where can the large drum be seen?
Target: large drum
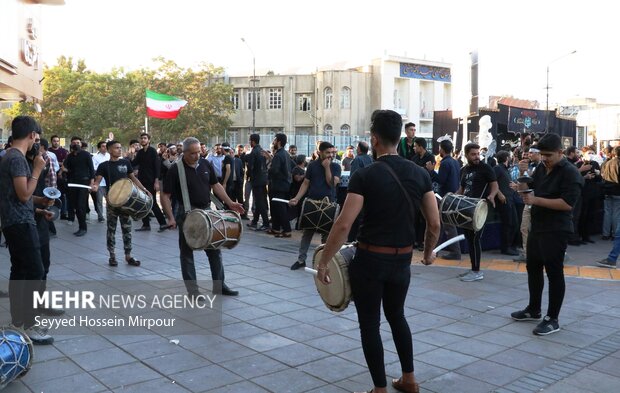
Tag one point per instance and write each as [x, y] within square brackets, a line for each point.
[16, 354]
[212, 229]
[132, 201]
[337, 294]
[463, 212]
[318, 215]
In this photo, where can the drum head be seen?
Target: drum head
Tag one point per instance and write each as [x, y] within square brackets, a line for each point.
[197, 229]
[337, 294]
[480, 215]
[120, 192]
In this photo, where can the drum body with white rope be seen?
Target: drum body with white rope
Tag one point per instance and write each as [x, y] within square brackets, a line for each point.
[212, 229]
[337, 294]
[463, 212]
[318, 214]
[132, 201]
[16, 354]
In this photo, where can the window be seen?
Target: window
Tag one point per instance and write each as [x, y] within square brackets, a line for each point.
[345, 98]
[304, 103]
[233, 138]
[328, 95]
[327, 130]
[275, 98]
[235, 99]
[345, 130]
[257, 94]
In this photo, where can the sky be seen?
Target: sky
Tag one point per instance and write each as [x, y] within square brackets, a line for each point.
[516, 40]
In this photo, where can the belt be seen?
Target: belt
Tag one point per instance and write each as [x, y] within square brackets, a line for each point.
[385, 250]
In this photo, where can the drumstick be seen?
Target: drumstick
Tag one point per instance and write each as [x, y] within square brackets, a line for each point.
[448, 242]
[438, 196]
[311, 271]
[280, 200]
[75, 185]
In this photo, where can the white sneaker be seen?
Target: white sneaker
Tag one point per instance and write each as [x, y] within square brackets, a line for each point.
[38, 336]
[472, 276]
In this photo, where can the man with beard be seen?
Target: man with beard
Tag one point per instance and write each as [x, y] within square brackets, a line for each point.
[148, 164]
[555, 189]
[477, 181]
[279, 187]
[257, 171]
[322, 176]
[17, 185]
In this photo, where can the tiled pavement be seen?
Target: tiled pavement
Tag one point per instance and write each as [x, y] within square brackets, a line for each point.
[278, 337]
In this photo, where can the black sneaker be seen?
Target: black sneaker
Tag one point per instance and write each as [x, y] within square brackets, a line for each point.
[263, 228]
[547, 326]
[606, 263]
[229, 292]
[298, 265]
[526, 315]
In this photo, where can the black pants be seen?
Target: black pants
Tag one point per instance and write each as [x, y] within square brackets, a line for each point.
[508, 217]
[279, 212]
[574, 237]
[375, 279]
[546, 250]
[146, 221]
[260, 198]
[588, 212]
[78, 200]
[475, 248]
[188, 269]
[26, 271]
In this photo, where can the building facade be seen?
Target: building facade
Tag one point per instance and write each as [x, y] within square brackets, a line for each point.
[336, 104]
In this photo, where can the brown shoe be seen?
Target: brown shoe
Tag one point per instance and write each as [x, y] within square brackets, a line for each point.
[406, 387]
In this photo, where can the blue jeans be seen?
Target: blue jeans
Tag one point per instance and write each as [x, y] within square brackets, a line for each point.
[615, 251]
[611, 218]
[376, 279]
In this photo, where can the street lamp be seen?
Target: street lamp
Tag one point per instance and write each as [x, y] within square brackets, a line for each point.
[547, 87]
[253, 85]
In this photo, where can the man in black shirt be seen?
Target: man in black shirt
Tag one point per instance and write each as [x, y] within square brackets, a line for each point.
[477, 181]
[424, 159]
[200, 178]
[113, 170]
[556, 188]
[80, 170]
[380, 272]
[148, 163]
[257, 173]
[279, 187]
[506, 208]
[405, 145]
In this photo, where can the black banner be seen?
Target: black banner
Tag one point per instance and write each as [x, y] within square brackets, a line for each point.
[525, 120]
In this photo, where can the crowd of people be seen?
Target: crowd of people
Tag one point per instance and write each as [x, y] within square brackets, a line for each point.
[545, 198]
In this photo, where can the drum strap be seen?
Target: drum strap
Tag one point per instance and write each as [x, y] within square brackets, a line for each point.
[183, 182]
[405, 193]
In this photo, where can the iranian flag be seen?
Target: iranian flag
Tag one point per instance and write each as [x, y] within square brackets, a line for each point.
[162, 106]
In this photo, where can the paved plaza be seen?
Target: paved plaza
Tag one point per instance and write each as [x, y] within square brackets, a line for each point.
[277, 336]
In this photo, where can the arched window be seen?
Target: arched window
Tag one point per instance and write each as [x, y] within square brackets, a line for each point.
[345, 98]
[345, 130]
[328, 97]
[328, 130]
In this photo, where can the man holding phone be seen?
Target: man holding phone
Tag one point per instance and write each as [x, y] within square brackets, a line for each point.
[554, 191]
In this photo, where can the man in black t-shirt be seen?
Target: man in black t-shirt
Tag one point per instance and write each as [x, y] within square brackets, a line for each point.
[380, 272]
[79, 168]
[200, 179]
[477, 181]
[113, 170]
[556, 188]
[322, 177]
[506, 208]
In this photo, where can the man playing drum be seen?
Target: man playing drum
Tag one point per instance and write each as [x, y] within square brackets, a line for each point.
[113, 170]
[322, 176]
[380, 271]
[477, 181]
[200, 178]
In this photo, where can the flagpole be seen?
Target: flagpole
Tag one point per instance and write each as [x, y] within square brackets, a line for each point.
[146, 124]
